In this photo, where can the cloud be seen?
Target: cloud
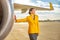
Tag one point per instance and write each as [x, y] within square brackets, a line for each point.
[25, 2]
[42, 4]
[22, 1]
[46, 4]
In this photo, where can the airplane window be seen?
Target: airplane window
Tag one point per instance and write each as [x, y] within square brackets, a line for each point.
[1, 13]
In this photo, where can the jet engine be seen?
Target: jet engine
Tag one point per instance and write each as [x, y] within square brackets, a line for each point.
[6, 18]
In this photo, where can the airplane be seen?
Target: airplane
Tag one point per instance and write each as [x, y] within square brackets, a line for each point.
[6, 15]
[24, 8]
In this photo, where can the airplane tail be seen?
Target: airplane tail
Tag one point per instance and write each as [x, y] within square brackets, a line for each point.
[51, 6]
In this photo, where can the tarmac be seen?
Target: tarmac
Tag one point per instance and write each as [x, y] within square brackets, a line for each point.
[48, 31]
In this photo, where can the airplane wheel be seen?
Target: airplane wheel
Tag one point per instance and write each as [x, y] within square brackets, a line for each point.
[6, 18]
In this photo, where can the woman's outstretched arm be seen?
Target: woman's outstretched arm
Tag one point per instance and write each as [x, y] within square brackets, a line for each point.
[20, 20]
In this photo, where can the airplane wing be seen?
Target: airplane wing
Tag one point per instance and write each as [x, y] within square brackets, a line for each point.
[24, 8]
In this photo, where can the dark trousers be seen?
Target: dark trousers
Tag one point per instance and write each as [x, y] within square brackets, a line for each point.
[33, 36]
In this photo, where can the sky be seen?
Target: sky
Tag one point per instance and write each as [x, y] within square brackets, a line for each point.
[43, 15]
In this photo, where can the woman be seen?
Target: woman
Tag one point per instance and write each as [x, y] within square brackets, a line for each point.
[32, 20]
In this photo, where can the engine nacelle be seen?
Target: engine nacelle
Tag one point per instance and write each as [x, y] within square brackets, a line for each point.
[6, 18]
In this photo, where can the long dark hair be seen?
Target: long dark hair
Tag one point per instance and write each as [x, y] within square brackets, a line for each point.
[30, 10]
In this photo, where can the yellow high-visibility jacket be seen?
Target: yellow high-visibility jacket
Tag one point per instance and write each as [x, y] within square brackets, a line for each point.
[33, 24]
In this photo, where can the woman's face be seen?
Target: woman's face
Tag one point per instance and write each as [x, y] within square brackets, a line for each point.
[33, 11]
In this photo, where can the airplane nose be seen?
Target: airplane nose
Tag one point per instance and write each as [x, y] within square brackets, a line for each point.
[6, 18]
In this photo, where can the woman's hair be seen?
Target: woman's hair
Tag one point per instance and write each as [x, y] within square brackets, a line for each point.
[30, 10]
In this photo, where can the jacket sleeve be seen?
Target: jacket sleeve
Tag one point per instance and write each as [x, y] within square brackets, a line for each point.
[21, 20]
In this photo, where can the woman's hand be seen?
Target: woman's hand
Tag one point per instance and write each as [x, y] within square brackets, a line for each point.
[15, 18]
